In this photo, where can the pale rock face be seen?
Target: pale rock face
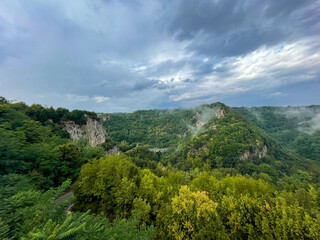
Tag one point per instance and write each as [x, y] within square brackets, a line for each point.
[260, 153]
[93, 130]
[202, 121]
[199, 123]
[221, 113]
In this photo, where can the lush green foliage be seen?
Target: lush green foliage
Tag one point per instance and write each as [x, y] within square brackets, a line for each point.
[220, 144]
[43, 115]
[295, 127]
[27, 145]
[232, 144]
[28, 213]
[202, 206]
[24, 207]
[308, 145]
[158, 128]
[202, 173]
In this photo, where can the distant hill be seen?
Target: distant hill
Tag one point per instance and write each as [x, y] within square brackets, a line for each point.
[217, 136]
[298, 128]
[159, 128]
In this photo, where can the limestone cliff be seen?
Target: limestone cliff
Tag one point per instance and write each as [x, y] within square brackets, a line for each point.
[260, 153]
[207, 115]
[221, 113]
[93, 130]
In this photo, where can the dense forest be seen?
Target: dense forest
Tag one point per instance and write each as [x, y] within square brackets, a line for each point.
[159, 128]
[210, 172]
[296, 127]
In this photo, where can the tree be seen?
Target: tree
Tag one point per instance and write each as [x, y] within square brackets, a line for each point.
[3, 100]
[124, 146]
[108, 185]
[51, 230]
[195, 216]
[11, 150]
[69, 164]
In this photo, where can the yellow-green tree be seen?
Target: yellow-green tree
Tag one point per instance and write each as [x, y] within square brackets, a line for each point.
[194, 216]
[108, 185]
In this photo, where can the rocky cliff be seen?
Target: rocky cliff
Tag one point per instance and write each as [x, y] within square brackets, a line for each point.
[207, 115]
[93, 130]
[260, 153]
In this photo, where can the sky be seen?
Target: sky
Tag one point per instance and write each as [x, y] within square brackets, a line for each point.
[122, 56]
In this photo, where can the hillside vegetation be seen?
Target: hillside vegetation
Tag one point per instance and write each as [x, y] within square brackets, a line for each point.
[211, 172]
[159, 128]
[296, 127]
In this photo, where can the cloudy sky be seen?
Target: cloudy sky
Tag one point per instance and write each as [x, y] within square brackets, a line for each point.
[117, 55]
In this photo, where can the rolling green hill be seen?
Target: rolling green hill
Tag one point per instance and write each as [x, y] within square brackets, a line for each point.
[264, 141]
[159, 128]
[296, 127]
[231, 142]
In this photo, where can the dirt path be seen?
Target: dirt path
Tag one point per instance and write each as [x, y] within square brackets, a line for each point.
[64, 197]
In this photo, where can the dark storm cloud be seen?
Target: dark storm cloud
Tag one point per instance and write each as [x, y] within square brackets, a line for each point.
[190, 17]
[238, 43]
[116, 55]
[219, 17]
[145, 84]
[284, 7]
[233, 27]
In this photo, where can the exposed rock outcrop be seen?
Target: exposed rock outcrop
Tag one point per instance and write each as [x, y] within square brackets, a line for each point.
[158, 149]
[210, 114]
[114, 151]
[221, 113]
[93, 130]
[260, 153]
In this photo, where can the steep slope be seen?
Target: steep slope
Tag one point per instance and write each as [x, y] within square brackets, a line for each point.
[231, 142]
[76, 123]
[93, 130]
[159, 128]
[208, 137]
[296, 127]
[32, 141]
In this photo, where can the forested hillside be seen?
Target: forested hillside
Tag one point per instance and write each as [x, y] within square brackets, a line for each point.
[230, 142]
[211, 172]
[159, 128]
[36, 156]
[33, 141]
[296, 127]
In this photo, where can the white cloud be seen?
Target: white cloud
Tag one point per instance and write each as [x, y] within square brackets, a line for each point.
[139, 68]
[294, 63]
[263, 69]
[101, 99]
